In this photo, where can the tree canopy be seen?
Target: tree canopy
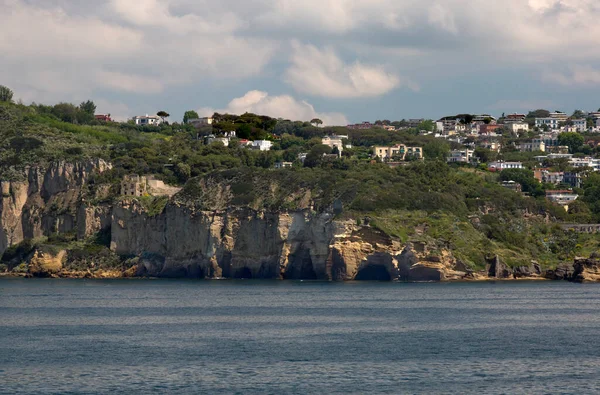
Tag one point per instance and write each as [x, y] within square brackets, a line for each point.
[6, 94]
[88, 107]
[571, 139]
[190, 115]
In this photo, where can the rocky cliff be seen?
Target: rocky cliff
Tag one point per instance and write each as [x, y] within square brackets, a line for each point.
[46, 201]
[244, 243]
[205, 232]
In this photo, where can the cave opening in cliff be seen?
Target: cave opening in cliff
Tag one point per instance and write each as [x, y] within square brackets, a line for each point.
[373, 273]
[244, 273]
[300, 266]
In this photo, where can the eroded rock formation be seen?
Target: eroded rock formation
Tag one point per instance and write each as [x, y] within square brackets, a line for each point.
[45, 202]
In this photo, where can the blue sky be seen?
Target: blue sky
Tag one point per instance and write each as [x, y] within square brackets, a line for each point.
[340, 60]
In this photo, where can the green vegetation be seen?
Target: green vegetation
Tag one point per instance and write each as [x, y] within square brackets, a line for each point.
[154, 205]
[6, 95]
[462, 207]
[190, 115]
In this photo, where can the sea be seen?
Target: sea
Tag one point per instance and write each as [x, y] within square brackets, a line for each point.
[282, 337]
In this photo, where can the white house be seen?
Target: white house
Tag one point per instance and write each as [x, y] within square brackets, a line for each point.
[334, 141]
[552, 123]
[594, 164]
[399, 151]
[262, 145]
[501, 165]
[579, 124]
[518, 127]
[562, 197]
[283, 165]
[561, 116]
[532, 146]
[460, 156]
[147, 120]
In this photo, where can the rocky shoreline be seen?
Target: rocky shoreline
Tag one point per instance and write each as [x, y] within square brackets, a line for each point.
[583, 270]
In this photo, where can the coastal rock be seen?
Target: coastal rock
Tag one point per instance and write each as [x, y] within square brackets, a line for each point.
[531, 271]
[497, 269]
[562, 272]
[406, 261]
[586, 270]
[46, 264]
[379, 266]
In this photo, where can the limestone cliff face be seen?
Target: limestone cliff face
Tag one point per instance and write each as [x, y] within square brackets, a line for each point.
[242, 243]
[45, 202]
[238, 243]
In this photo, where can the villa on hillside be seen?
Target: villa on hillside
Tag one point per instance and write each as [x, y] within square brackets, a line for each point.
[103, 117]
[562, 197]
[515, 118]
[336, 141]
[283, 165]
[262, 145]
[397, 152]
[501, 165]
[460, 156]
[532, 146]
[143, 120]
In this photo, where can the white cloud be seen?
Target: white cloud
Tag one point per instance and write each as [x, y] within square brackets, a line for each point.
[442, 17]
[129, 83]
[122, 46]
[283, 106]
[576, 76]
[322, 73]
[71, 49]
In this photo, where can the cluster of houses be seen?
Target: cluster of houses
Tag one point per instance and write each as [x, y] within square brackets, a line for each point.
[260, 145]
[487, 125]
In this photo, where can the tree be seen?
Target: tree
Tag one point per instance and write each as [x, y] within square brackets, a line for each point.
[190, 115]
[541, 113]
[88, 107]
[436, 149]
[66, 112]
[5, 94]
[427, 125]
[183, 172]
[573, 140]
[163, 115]
[577, 114]
[316, 122]
[315, 156]
[485, 155]
[524, 177]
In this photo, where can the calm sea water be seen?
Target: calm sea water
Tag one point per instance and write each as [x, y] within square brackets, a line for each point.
[246, 337]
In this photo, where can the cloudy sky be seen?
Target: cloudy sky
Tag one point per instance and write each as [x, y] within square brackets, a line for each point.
[340, 60]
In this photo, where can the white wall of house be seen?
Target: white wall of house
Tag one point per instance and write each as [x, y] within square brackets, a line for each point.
[262, 145]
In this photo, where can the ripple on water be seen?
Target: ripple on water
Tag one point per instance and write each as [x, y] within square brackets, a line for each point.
[284, 337]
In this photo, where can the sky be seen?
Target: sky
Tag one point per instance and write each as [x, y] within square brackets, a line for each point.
[343, 61]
